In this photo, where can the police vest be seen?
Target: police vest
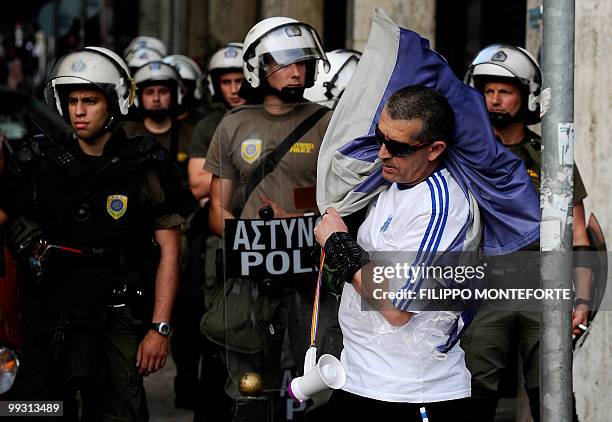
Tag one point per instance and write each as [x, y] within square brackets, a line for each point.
[96, 209]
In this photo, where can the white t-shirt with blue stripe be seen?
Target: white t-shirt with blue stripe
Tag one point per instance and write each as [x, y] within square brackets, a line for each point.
[401, 364]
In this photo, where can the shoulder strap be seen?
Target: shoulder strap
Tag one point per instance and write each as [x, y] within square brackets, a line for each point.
[60, 155]
[269, 162]
[534, 154]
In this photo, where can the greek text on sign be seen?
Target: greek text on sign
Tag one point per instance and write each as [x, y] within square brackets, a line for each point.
[269, 248]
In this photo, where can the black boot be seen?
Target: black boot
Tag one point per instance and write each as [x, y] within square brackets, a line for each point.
[534, 403]
[484, 409]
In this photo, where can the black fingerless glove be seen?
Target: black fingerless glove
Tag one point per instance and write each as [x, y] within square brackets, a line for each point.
[345, 255]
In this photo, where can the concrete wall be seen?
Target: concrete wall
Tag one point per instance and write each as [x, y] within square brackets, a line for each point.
[155, 19]
[195, 27]
[230, 20]
[592, 111]
[309, 11]
[416, 15]
[196, 32]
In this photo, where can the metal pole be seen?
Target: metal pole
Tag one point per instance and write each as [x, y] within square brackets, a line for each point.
[556, 199]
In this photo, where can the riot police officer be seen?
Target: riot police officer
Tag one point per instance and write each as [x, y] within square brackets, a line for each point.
[193, 80]
[224, 79]
[160, 95]
[510, 79]
[82, 216]
[280, 62]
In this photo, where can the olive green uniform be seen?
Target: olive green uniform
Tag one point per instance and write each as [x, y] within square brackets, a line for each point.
[247, 134]
[203, 133]
[242, 139]
[177, 140]
[490, 341]
[188, 303]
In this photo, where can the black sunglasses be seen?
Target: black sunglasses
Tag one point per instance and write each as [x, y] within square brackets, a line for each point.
[398, 149]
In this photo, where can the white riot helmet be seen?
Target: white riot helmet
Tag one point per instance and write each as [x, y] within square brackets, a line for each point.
[96, 66]
[160, 73]
[515, 64]
[330, 85]
[277, 42]
[151, 43]
[225, 60]
[141, 56]
[190, 73]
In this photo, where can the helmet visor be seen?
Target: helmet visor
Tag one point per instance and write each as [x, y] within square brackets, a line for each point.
[288, 44]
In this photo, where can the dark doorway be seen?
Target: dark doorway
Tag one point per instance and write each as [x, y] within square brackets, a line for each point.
[334, 24]
[463, 27]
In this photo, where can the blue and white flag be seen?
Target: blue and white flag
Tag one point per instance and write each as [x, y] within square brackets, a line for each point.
[349, 175]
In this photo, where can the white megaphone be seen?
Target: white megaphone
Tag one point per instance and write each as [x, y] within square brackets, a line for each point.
[327, 373]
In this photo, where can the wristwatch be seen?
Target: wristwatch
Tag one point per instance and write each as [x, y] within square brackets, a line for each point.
[163, 328]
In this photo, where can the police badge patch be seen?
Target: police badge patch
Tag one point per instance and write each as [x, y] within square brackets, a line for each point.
[250, 150]
[116, 205]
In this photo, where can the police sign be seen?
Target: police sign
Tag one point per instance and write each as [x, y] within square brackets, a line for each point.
[269, 248]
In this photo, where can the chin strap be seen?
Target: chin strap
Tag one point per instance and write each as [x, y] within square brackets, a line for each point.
[290, 95]
[287, 94]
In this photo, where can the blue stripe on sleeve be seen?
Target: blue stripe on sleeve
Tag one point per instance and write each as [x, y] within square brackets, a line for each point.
[434, 241]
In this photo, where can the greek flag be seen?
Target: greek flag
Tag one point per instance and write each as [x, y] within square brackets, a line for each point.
[349, 176]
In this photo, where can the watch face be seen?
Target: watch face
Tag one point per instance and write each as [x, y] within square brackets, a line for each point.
[162, 328]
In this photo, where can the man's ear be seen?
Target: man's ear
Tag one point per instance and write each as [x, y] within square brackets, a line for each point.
[435, 150]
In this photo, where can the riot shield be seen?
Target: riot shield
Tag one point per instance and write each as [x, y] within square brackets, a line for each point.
[599, 259]
[267, 263]
[600, 271]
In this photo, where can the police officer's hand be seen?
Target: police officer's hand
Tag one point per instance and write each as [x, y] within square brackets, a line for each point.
[330, 223]
[278, 211]
[579, 316]
[152, 353]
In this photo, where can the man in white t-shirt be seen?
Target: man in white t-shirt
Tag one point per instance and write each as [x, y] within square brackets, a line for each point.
[392, 356]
